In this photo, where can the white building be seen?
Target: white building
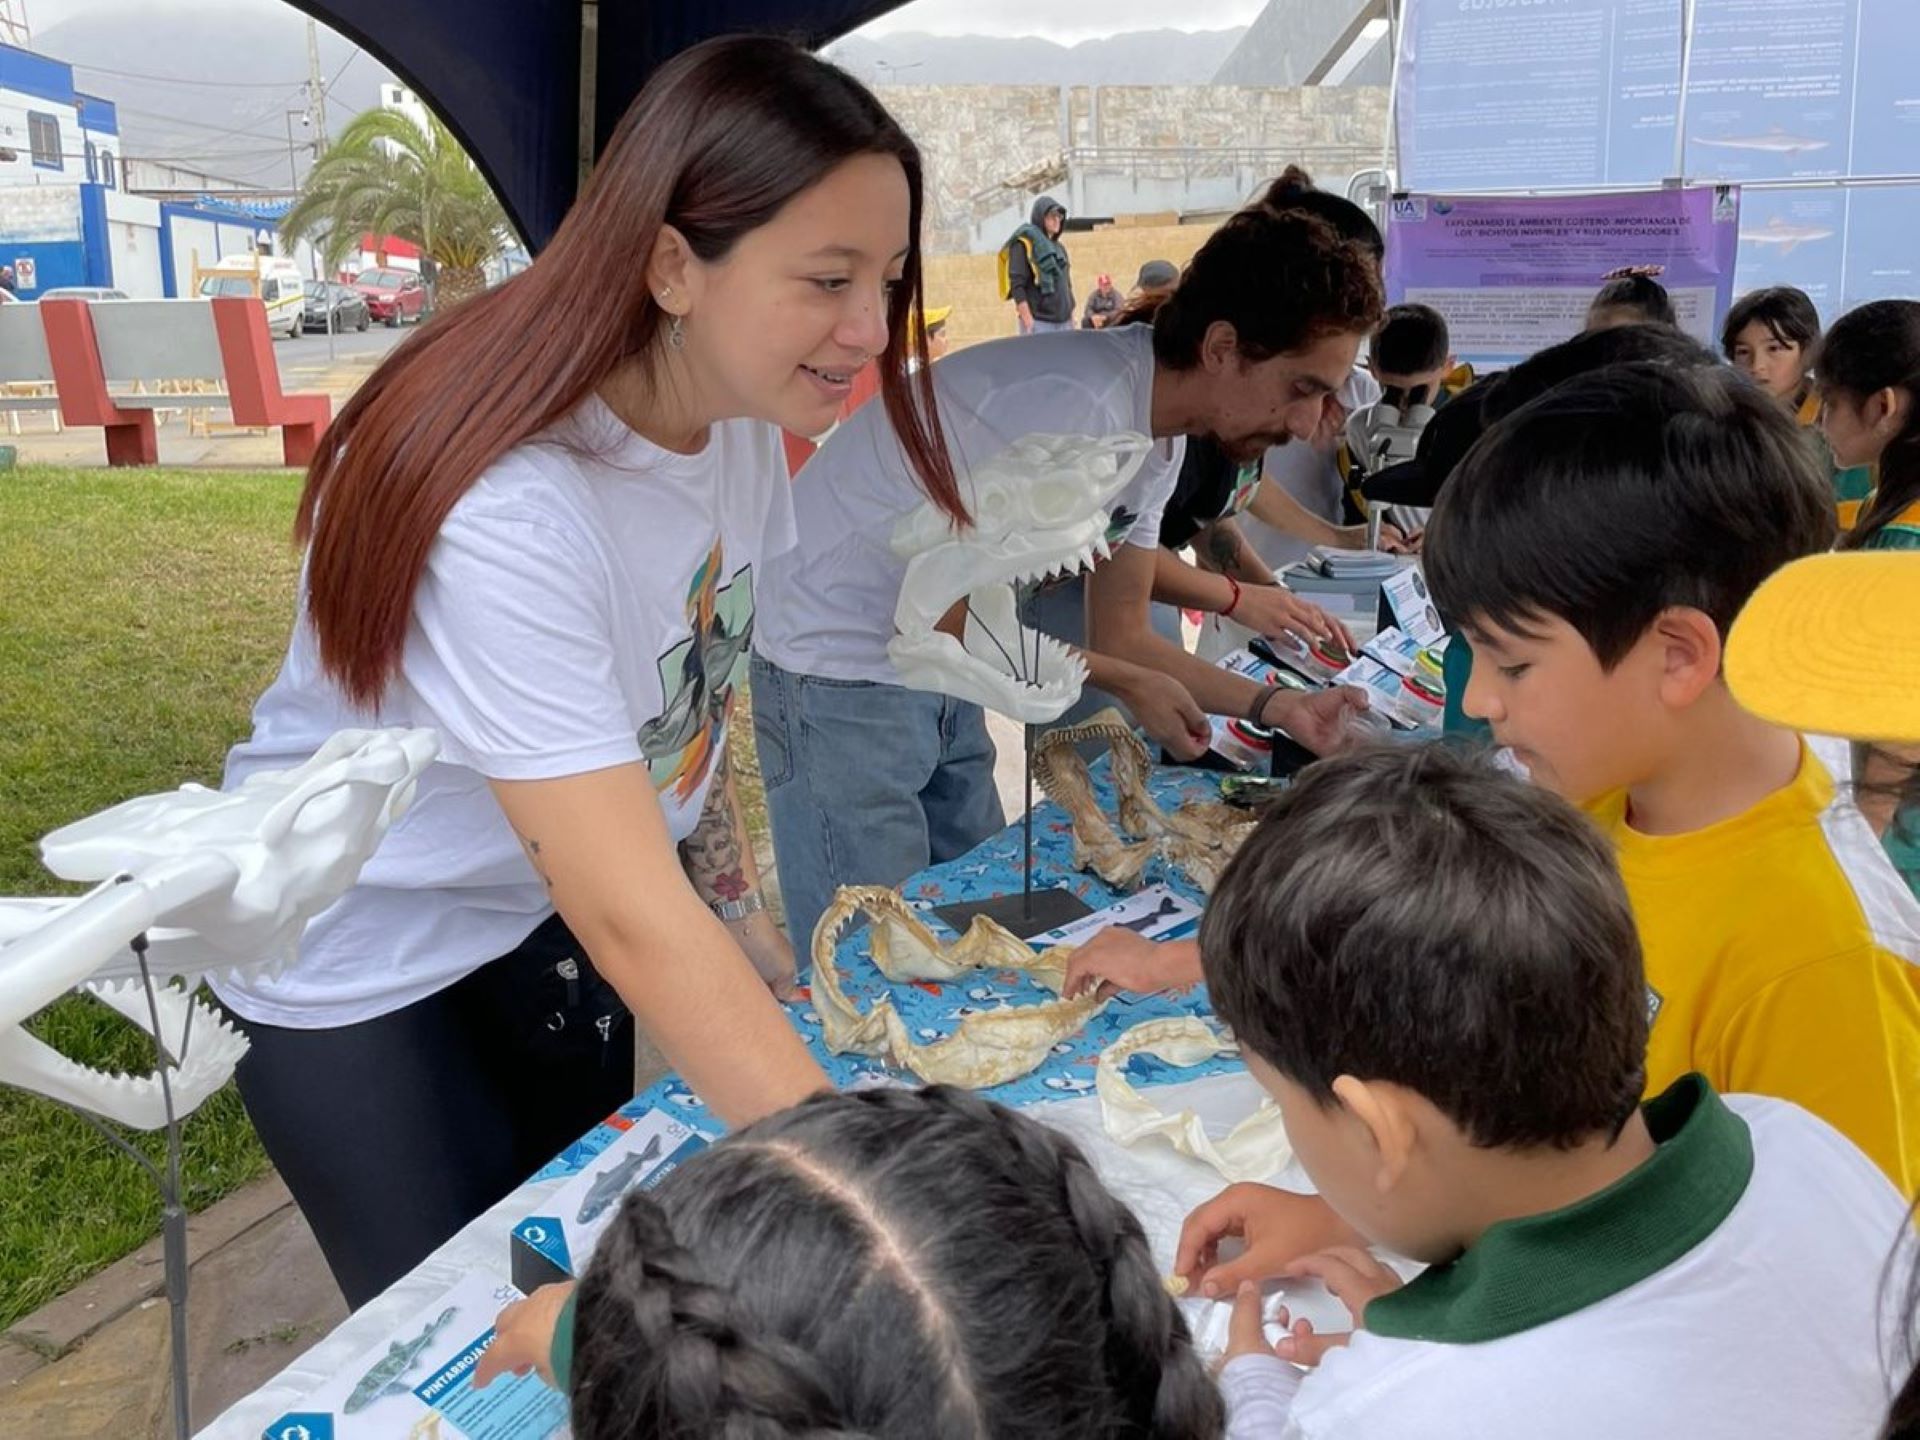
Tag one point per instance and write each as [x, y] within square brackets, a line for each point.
[68, 214]
[398, 97]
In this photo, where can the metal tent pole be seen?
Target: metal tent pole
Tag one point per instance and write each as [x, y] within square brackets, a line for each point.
[1686, 75]
[589, 89]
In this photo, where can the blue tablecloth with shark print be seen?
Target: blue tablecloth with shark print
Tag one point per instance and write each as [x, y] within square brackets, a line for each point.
[991, 869]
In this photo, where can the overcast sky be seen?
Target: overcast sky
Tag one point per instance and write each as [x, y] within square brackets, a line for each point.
[1064, 20]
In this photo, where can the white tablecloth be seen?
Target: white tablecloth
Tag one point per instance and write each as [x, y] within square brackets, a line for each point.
[1160, 1185]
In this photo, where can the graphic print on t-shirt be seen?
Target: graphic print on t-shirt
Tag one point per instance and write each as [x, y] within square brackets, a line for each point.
[698, 676]
[1246, 481]
[1120, 523]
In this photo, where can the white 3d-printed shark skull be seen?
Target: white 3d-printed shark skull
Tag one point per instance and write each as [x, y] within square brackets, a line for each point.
[1040, 509]
[219, 882]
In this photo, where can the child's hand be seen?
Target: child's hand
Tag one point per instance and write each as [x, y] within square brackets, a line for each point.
[1120, 959]
[1246, 1334]
[1352, 1274]
[1278, 1227]
[523, 1337]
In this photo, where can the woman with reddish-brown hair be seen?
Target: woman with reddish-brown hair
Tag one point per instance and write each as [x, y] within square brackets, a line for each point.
[537, 529]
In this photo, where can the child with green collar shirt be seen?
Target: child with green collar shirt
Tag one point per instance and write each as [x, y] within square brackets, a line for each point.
[1432, 968]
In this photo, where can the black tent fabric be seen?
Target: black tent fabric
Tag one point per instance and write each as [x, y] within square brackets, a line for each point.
[505, 74]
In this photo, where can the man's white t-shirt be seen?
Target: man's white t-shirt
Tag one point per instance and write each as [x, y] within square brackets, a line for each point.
[1769, 1326]
[826, 607]
[588, 603]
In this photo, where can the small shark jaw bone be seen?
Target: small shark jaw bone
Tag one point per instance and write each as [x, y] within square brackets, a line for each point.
[1040, 510]
[1253, 1150]
[221, 883]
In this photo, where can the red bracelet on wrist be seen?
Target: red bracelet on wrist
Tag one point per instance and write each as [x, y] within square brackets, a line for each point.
[1234, 603]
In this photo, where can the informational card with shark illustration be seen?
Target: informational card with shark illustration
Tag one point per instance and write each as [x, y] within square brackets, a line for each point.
[419, 1381]
[554, 1244]
[1155, 913]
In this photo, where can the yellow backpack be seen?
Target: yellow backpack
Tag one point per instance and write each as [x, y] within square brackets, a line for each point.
[1006, 262]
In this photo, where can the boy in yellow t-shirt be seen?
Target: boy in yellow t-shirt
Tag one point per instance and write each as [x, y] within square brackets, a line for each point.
[1595, 549]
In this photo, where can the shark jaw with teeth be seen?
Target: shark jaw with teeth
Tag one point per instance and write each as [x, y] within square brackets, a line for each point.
[1040, 510]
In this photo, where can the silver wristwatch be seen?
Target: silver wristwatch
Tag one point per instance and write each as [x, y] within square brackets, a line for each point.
[732, 910]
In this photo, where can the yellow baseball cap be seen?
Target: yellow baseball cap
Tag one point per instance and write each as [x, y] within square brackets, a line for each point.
[1828, 645]
[936, 317]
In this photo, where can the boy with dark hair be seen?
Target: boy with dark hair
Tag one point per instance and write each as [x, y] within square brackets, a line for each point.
[1410, 357]
[1432, 968]
[1595, 548]
[1412, 350]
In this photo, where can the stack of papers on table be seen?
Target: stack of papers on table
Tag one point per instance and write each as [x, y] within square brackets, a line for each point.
[1355, 564]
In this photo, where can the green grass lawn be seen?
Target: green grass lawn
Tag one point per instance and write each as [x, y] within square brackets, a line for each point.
[141, 612]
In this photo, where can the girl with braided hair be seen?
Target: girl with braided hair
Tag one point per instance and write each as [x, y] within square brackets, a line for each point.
[888, 1264]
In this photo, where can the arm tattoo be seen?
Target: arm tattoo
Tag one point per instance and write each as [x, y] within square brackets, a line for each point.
[1223, 548]
[712, 853]
[532, 847]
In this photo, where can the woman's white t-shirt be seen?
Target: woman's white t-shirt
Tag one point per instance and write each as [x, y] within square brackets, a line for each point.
[588, 603]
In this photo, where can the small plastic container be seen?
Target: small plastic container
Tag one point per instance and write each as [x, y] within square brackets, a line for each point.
[1424, 689]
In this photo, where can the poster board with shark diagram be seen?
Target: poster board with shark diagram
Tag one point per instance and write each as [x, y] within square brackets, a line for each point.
[1812, 109]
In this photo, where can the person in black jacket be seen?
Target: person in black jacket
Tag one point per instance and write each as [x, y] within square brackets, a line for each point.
[1039, 273]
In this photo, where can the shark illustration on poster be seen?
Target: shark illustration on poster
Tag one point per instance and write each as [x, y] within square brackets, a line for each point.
[1773, 142]
[1784, 233]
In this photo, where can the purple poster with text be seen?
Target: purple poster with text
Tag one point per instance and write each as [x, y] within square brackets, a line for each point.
[1514, 274]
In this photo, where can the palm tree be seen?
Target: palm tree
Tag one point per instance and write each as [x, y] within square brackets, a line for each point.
[389, 175]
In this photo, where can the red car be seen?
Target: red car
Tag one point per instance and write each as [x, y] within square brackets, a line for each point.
[393, 296]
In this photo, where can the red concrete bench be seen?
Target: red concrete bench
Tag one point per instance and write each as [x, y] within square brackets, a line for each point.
[95, 348]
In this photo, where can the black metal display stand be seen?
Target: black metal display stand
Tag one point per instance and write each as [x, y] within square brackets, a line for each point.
[173, 1210]
[1031, 912]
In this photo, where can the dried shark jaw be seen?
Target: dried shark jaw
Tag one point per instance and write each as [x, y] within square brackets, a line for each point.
[221, 882]
[987, 1049]
[1200, 839]
[1040, 509]
[1253, 1150]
